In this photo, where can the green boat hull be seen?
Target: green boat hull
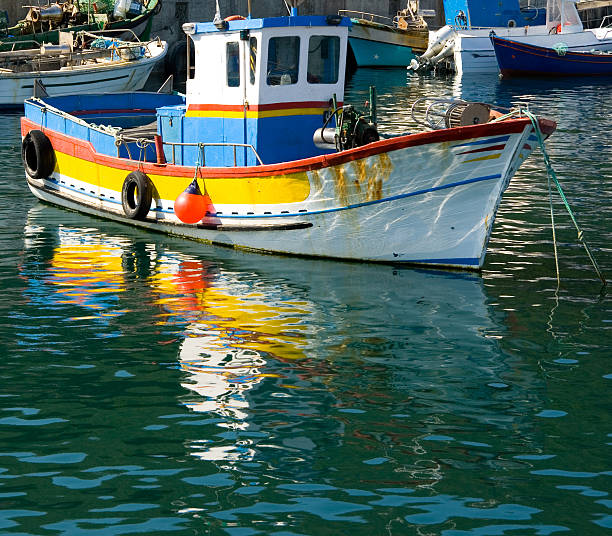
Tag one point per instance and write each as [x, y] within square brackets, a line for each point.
[33, 40]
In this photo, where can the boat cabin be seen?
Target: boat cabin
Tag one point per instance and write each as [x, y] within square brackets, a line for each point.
[258, 91]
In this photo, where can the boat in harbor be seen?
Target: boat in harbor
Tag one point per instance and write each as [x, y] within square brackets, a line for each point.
[262, 153]
[86, 61]
[43, 24]
[520, 59]
[469, 50]
[377, 41]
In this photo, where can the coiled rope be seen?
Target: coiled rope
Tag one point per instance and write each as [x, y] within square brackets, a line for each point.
[552, 175]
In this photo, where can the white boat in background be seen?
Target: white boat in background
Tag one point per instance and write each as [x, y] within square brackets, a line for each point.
[470, 49]
[104, 65]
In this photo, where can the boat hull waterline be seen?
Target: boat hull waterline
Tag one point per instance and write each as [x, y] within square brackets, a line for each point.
[427, 198]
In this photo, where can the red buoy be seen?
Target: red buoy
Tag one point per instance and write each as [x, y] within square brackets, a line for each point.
[191, 205]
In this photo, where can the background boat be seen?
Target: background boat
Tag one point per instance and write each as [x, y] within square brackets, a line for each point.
[520, 59]
[43, 24]
[122, 66]
[378, 41]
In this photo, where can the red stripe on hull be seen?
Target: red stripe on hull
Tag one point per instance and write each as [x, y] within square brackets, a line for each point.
[259, 107]
[483, 149]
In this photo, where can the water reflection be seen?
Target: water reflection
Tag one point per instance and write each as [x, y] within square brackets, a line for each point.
[276, 350]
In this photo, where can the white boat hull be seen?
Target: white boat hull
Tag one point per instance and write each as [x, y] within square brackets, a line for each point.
[109, 77]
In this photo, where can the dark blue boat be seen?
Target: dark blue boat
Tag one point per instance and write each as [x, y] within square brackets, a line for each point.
[520, 59]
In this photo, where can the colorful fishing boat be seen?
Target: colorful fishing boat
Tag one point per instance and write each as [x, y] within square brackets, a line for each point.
[377, 41]
[519, 59]
[89, 62]
[262, 154]
[43, 24]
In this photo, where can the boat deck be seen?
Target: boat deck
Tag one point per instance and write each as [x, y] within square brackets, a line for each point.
[142, 131]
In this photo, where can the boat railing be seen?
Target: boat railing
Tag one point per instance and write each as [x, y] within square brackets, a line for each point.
[143, 143]
[104, 33]
[606, 22]
[36, 44]
[365, 16]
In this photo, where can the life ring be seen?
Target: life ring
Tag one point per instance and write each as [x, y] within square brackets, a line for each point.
[136, 195]
[234, 17]
[37, 155]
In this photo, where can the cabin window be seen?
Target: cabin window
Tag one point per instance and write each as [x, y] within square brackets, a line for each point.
[323, 59]
[253, 59]
[233, 64]
[283, 60]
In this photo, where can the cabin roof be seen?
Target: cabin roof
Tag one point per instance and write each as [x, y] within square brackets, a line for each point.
[272, 22]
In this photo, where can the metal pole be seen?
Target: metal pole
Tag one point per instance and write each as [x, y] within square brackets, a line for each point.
[188, 74]
[249, 9]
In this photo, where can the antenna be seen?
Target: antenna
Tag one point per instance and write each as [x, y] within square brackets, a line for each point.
[217, 16]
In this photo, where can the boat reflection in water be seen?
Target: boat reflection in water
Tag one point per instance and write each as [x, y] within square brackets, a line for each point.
[296, 360]
[232, 331]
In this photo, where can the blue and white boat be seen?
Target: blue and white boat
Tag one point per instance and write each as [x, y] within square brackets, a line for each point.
[263, 154]
[520, 59]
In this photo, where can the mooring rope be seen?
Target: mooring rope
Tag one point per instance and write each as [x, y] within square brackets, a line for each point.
[552, 175]
[554, 233]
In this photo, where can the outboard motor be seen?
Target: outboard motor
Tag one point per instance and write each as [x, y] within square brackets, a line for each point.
[438, 48]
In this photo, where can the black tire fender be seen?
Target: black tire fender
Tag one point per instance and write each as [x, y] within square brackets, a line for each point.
[37, 154]
[136, 195]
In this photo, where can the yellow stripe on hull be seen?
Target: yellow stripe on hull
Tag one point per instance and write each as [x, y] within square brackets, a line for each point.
[278, 189]
[481, 158]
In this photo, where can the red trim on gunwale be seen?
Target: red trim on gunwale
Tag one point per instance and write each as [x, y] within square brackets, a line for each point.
[79, 113]
[84, 150]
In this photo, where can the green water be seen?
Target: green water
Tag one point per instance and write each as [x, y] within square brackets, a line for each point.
[152, 385]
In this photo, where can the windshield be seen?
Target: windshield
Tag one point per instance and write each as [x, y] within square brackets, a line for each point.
[561, 14]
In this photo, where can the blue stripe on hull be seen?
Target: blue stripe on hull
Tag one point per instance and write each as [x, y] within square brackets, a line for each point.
[377, 54]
